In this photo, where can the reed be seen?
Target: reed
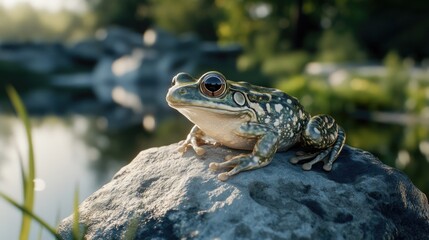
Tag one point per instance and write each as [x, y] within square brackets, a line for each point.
[27, 177]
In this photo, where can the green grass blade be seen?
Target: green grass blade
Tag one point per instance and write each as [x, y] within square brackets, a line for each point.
[131, 231]
[76, 229]
[23, 175]
[29, 184]
[32, 215]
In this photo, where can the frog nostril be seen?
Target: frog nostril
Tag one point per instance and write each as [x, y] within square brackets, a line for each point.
[182, 91]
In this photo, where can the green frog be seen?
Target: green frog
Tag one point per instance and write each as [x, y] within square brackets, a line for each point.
[248, 117]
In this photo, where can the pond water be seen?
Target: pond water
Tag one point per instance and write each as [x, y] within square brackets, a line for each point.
[76, 150]
[70, 152]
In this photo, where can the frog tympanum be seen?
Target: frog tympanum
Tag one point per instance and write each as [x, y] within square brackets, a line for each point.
[243, 116]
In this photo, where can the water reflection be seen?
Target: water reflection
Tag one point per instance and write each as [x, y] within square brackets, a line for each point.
[67, 152]
[5, 133]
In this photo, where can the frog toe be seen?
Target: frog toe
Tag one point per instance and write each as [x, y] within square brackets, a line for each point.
[294, 160]
[316, 157]
[223, 176]
[231, 163]
[306, 166]
[327, 167]
[302, 156]
[182, 148]
[300, 153]
[228, 157]
[199, 150]
[214, 166]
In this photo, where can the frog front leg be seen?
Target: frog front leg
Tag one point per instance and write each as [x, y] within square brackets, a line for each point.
[262, 154]
[325, 136]
[195, 139]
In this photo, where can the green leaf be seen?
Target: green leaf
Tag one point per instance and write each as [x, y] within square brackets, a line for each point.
[76, 229]
[131, 231]
[23, 175]
[31, 215]
[28, 184]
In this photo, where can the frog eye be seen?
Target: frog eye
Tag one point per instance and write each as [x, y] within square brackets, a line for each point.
[213, 84]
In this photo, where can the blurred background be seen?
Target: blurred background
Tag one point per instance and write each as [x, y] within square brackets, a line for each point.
[93, 75]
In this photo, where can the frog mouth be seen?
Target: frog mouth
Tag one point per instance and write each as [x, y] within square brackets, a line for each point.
[224, 109]
[206, 110]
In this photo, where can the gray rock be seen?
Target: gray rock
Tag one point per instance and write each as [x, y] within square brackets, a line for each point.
[162, 195]
[38, 57]
[89, 50]
[119, 41]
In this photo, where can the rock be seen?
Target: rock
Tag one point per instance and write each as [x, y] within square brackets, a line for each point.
[118, 60]
[73, 81]
[87, 51]
[160, 39]
[104, 80]
[119, 41]
[38, 57]
[163, 195]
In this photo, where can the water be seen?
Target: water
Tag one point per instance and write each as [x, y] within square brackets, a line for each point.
[65, 158]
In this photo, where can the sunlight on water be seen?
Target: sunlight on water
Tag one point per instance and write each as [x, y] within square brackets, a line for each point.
[63, 161]
[127, 99]
[149, 37]
[128, 63]
[39, 184]
[149, 123]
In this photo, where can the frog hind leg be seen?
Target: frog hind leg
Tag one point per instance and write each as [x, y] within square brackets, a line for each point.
[263, 151]
[195, 139]
[324, 135]
[336, 149]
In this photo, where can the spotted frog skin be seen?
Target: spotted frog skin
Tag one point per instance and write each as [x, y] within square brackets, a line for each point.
[243, 116]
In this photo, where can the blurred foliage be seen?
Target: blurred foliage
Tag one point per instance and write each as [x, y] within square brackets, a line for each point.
[134, 14]
[397, 89]
[332, 30]
[187, 17]
[339, 47]
[36, 25]
[354, 99]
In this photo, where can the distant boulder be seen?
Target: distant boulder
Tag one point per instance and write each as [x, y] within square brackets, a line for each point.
[38, 57]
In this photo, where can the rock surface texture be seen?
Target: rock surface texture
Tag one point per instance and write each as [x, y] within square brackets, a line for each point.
[163, 195]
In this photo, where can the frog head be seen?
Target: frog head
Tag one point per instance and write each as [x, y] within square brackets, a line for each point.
[211, 98]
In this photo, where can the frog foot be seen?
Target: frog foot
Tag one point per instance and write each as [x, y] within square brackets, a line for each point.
[299, 156]
[317, 157]
[184, 147]
[195, 139]
[242, 162]
[324, 134]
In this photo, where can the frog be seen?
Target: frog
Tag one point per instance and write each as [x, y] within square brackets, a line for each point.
[256, 119]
